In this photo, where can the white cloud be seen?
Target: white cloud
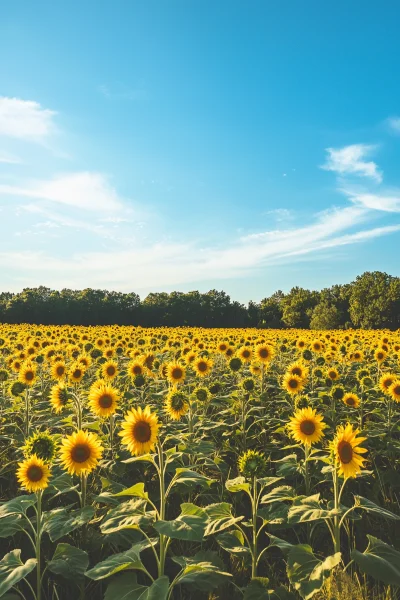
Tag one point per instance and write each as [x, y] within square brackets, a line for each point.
[9, 159]
[25, 119]
[394, 124]
[389, 202]
[89, 191]
[350, 161]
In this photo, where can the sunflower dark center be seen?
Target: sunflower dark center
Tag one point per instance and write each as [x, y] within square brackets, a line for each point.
[137, 369]
[77, 373]
[202, 366]
[34, 473]
[380, 355]
[307, 427]
[60, 370]
[142, 432]
[110, 370]
[345, 450]
[80, 453]
[176, 373]
[387, 383]
[296, 371]
[350, 401]
[263, 353]
[293, 384]
[177, 402]
[245, 353]
[396, 390]
[105, 401]
[29, 375]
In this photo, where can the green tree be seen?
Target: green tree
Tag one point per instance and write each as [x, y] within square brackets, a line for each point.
[375, 301]
[325, 316]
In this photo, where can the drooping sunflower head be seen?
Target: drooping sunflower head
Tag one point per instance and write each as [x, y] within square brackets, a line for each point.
[235, 364]
[80, 452]
[3, 375]
[386, 381]
[140, 430]
[33, 474]
[361, 373]
[27, 374]
[351, 400]
[347, 451]
[59, 397]
[109, 369]
[264, 353]
[176, 373]
[367, 382]
[394, 390]
[216, 388]
[202, 366]
[252, 464]
[41, 444]
[307, 426]
[103, 399]
[248, 384]
[337, 392]
[292, 384]
[17, 388]
[176, 404]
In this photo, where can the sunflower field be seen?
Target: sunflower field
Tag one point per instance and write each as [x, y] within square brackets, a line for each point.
[188, 463]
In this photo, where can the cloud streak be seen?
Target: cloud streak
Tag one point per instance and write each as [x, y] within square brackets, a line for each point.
[25, 119]
[350, 160]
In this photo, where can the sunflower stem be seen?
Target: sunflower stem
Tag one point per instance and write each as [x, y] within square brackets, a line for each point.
[83, 490]
[161, 564]
[38, 540]
[27, 415]
[336, 521]
[254, 520]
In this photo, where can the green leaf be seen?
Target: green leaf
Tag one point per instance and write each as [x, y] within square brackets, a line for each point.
[11, 525]
[258, 590]
[128, 515]
[238, 485]
[136, 490]
[287, 465]
[307, 509]
[268, 481]
[142, 458]
[279, 494]
[380, 561]
[124, 587]
[371, 507]
[306, 572]
[190, 525]
[130, 559]
[157, 591]
[68, 561]
[60, 522]
[233, 542]
[204, 570]
[12, 570]
[62, 484]
[17, 506]
[190, 478]
[220, 517]
[279, 543]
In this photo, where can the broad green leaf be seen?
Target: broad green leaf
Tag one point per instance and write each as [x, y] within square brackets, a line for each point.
[157, 591]
[142, 458]
[233, 542]
[190, 525]
[279, 494]
[380, 561]
[136, 490]
[68, 561]
[204, 571]
[306, 572]
[220, 517]
[274, 514]
[62, 484]
[307, 509]
[12, 570]
[119, 562]
[279, 543]
[287, 466]
[60, 522]
[128, 515]
[190, 478]
[237, 485]
[17, 506]
[371, 507]
[11, 525]
[268, 481]
[258, 589]
[124, 587]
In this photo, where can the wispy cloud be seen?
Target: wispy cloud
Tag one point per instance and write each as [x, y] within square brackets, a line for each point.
[350, 160]
[9, 159]
[25, 119]
[386, 202]
[85, 190]
[394, 124]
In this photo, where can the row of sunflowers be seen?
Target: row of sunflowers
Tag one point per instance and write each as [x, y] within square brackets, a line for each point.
[177, 463]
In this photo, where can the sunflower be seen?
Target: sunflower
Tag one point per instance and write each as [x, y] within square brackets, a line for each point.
[190, 357]
[245, 353]
[42, 445]
[222, 347]
[176, 404]
[58, 370]
[80, 452]
[346, 449]
[58, 397]
[380, 355]
[386, 381]
[351, 399]
[298, 369]
[306, 426]
[394, 390]
[76, 373]
[317, 346]
[27, 374]
[333, 374]
[255, 370]
[292, 383]
[109, 369]
[301, 343]
[252, 464]
[202, 394]
[136, 367]
[140, 431]
[264, 353]
[202, 366]
[103, 399]
[33, 474]
[175, 373]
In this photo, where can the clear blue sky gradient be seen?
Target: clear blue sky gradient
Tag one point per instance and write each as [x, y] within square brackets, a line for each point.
[207, 123]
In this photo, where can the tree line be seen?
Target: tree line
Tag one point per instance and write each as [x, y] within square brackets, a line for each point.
[372, 301]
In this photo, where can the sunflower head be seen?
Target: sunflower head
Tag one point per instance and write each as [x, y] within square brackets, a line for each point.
[337, 392]
[252, 464]
[292, 384]
[235, 364]
[139, 381]
[351, 400]
[307, 354]
[27, 374]
[307, 426]
[42, 445]
[33, 474]
[109, 369]
[264, 353]
[80, 452]
[367, 382]
[176, 404]
[3, 375]
[17, 388]
[248, 384]
[103, 399]
[59, 397]
[347, 451]
[394, 390]
[202, 366]
[202, 394]
[215, 388]
[361, 373]
[386, 381]
[140, 431]
[176, 373]
[332, 374]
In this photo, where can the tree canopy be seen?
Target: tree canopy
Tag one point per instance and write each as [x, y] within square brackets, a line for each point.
[372, 301]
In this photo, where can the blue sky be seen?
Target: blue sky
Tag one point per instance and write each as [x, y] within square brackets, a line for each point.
[178, 145]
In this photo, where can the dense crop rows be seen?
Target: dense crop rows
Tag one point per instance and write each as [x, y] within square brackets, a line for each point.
[161, 464]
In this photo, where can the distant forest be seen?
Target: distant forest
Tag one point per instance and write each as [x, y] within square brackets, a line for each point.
[371, 301]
